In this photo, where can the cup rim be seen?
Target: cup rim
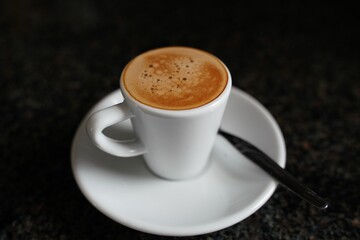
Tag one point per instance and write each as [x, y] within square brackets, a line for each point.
[179, 112]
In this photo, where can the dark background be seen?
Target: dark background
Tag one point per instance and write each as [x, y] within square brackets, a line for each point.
[301, 60]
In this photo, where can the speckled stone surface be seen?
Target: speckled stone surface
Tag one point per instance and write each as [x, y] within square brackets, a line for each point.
[57, 60]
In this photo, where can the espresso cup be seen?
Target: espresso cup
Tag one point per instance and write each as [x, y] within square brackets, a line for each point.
[175, 98]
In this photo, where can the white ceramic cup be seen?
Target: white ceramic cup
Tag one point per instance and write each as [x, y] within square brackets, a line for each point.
[175, 144]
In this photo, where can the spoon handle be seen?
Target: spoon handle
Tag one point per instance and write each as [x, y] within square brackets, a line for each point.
[273, 169]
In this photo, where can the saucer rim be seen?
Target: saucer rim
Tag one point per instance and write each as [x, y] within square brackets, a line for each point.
[224, 222]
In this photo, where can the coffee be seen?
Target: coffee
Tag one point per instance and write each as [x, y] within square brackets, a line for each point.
[175, 78]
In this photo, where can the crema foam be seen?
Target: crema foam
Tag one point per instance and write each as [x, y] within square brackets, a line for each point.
[175, 78]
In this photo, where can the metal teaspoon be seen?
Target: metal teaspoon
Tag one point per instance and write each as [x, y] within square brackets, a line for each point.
[274, 170]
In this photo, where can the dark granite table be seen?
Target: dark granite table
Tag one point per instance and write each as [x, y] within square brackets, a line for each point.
[56, 60]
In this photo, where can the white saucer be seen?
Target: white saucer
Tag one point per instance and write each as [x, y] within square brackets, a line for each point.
[231, 189]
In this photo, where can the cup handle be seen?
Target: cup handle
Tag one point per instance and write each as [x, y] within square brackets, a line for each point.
[104, 118]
